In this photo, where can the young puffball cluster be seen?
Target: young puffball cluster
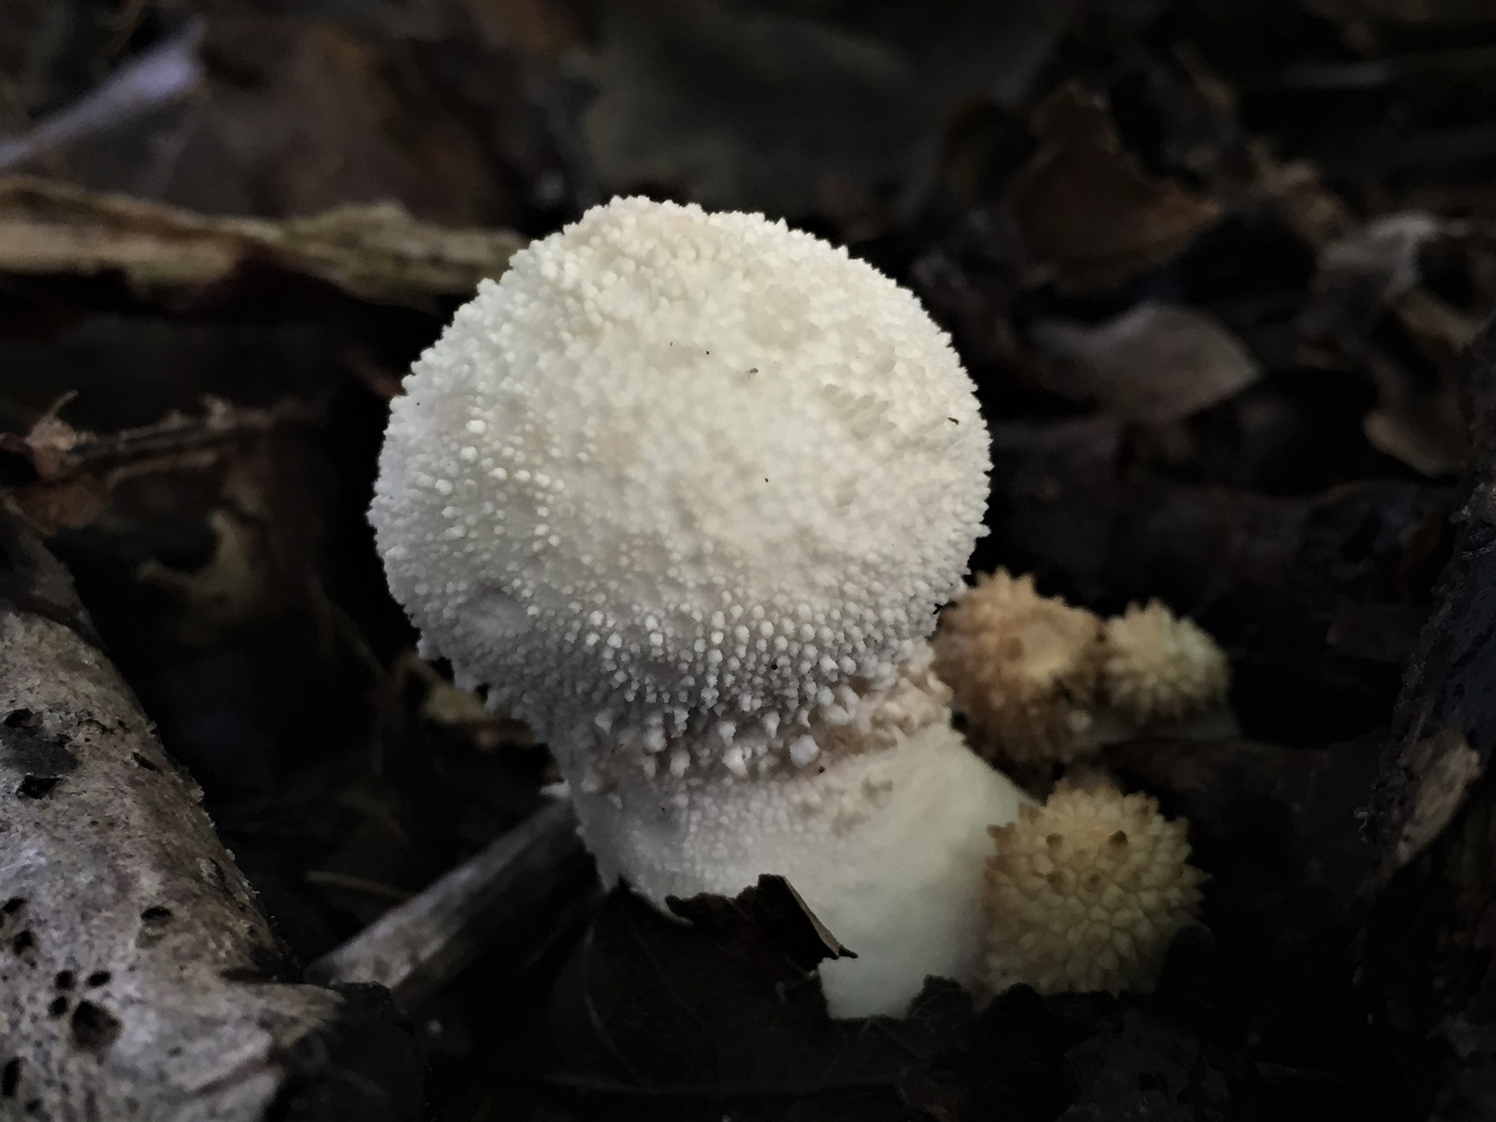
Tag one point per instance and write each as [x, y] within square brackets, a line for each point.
[683, 491]
[1087, 892]
[1043, 682]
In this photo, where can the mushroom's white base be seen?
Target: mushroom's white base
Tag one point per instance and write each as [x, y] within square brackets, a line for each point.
[886, 847]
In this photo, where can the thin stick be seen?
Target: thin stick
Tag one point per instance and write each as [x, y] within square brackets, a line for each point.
[417, 946]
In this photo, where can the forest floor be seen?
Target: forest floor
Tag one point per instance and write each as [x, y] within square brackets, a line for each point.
[1219, 271]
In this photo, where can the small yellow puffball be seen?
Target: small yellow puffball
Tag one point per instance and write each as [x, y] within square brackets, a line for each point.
[1043, 682]
[1024, 668]
[1161, 668]
[1086, 893]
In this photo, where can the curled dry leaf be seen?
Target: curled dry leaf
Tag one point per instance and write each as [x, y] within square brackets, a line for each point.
[1155, 363]
[1363, 276]
[1296, 193]
[1089, 215]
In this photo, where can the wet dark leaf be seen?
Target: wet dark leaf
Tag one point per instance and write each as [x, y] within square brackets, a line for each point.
[724, 1006]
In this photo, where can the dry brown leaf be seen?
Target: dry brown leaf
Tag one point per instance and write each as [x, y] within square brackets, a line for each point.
[298, 113]
[1089, 214]
[1365, 275]
[1154, 363]
[462, 710]
[173, 256]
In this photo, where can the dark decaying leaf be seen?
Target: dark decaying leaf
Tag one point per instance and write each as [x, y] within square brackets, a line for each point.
[1090, 216]
[776, 108]
[1363, 273]
[722, 1005]
[712, 104]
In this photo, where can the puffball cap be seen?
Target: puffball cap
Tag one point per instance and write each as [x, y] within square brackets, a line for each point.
[1162, 667]
[683, 470]
[1024, 668]
[1087, 892]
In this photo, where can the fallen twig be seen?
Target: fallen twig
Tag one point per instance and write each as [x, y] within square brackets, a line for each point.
[414, 948]
[171, 257]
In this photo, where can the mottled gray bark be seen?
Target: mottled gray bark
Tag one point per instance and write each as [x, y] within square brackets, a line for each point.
[138, 977]
[1430, 936]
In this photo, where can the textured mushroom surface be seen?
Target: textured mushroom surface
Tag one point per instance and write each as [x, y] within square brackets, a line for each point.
[689, 478]
[1025, 668]
[1160, 667]
[1043, 682]
[684, 491]
[1087, 892]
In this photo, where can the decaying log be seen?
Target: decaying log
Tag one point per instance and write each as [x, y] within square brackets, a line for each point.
[1430, 933]
[138, 977]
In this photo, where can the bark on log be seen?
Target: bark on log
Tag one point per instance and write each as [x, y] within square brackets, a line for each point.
[138, 977]
[1430, 932]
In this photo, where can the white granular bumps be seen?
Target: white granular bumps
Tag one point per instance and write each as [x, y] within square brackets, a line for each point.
[1160, 668]
[695, 477]
[1087, 892]
[1024, 668]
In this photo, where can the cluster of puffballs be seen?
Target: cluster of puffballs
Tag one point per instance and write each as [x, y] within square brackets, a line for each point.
[684, 492]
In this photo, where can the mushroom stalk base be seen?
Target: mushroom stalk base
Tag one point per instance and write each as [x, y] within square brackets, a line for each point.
[886, 847]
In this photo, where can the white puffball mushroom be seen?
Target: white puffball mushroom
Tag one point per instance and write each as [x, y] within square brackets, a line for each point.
[684, 490]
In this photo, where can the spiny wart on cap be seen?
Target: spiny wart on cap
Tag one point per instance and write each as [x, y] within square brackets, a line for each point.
[1024, 668]
[695, 477]
[1160, 667]
[1087, 892]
